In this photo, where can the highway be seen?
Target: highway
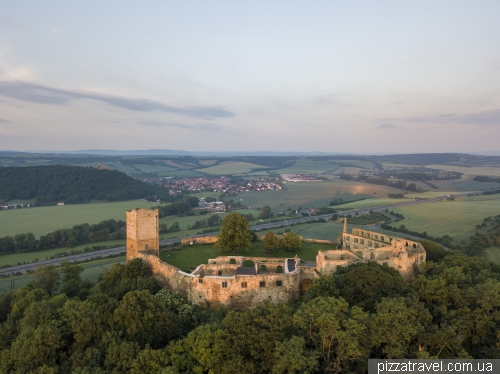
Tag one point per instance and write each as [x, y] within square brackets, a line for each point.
[114, 251]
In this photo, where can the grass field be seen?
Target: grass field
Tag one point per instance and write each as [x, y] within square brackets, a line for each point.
[326, 231]
[230, 168]
[306, 166]
[19, 258]
[189, 257]
[469, 171]
[317, 194]
[464, 185]
[91, 271]
[42, 220]
[456, 218]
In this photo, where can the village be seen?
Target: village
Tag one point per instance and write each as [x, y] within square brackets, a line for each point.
[228, 186]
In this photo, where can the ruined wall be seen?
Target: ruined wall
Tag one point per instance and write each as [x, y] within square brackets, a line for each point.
[142, 232]
[401, 254]
[199, 240]
[327, 262]
[320, 241]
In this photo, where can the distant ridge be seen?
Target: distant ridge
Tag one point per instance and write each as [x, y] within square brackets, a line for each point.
[174, 152]
[169, 152]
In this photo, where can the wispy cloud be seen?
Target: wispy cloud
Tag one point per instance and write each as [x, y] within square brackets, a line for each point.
[9, 22]
[3, 120]
[47, 95]
[387, 126]
[195, 127]
[486, 118]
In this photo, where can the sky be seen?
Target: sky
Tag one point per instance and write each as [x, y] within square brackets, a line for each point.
[303, 76]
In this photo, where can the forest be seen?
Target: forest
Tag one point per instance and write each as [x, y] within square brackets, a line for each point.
[72, 184]
[125, 323]
[71, 237]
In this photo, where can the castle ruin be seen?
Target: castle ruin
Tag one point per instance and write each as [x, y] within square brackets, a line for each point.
[242, 282]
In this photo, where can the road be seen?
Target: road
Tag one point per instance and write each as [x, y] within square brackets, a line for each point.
[114, 251]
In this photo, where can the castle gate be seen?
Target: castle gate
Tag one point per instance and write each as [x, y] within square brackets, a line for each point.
[306, 283]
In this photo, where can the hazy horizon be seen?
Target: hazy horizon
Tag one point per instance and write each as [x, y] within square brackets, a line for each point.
[357, 77]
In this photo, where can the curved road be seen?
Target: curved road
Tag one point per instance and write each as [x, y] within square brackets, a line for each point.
[114, 251]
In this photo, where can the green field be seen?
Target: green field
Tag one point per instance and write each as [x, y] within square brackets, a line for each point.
[91, 271]
[20, 258]
[313, 194]
[325, 231]
[42, 220]
[464, 185]
[230, 167]
[456, 218]
[469, 171]
[189, 257]
[307, 166]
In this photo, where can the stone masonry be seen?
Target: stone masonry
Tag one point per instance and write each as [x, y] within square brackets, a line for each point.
[242, 282]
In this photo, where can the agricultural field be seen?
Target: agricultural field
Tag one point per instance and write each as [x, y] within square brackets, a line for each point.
[313, 194]
[470, 172]
[308, 166]
[42, 220]
[463, 185]
[91, 271]
[230, 167]
[456, 218]
[189, 257]
[19, 258]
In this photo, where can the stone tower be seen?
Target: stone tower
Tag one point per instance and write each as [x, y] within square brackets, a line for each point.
[142, 232]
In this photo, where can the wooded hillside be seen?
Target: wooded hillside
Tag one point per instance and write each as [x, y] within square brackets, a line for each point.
[71, 184]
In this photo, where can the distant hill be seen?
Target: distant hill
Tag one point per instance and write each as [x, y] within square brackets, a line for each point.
[71, 184]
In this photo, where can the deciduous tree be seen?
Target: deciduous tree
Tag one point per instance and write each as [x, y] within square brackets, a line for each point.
[292, 241]
[271, 241]
[234, 233]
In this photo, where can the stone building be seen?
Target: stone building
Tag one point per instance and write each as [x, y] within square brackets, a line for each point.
[242, 282]
[142, 232]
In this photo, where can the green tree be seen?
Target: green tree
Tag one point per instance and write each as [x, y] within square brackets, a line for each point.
[271, 241]
[292, 241]
[292, 356]
[324, 286]
[365, 284]
[339, 333]
[234, 233]
[435, 251]
[396, 323]
[47, 278]
[266, 212]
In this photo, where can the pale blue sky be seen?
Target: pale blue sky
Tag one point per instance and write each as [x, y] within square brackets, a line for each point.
[329, 76]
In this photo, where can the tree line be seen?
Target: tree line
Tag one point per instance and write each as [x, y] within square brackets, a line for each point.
[71, 184]
[79, 234]
[125, 323]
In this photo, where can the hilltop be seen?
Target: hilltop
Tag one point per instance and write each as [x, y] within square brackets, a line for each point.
[71, 184]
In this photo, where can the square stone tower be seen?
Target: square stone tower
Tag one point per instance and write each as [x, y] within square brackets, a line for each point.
[142, 232]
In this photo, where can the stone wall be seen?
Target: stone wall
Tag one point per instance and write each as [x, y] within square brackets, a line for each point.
[216, 284]
[236, 291]
[199, 240]
[320, 241]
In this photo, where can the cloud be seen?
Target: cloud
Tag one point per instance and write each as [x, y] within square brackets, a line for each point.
[47, 95]
[4, 120]
[196, 127]
[8, 22]
[486, 118]
[387, 126]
